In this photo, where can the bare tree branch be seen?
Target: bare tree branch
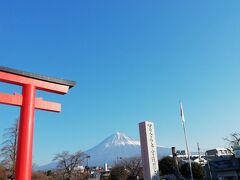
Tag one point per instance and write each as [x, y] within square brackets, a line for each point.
[132, 166]
[234, 139]
[8, 151]
[68, 162]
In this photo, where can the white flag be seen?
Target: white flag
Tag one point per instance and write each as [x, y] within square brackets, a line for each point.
[181, 113]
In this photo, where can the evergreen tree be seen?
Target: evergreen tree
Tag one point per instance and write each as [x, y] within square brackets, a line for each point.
[197, 170]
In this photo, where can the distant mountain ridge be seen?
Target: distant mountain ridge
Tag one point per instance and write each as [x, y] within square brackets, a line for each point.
[110, 150]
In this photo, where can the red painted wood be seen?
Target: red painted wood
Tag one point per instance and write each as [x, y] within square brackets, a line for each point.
[41, 85]
[16, 100]
[28, 103]
[47, 105]
[11, 99]
[23, 170]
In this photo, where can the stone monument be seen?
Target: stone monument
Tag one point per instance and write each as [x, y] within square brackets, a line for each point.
[149, 151]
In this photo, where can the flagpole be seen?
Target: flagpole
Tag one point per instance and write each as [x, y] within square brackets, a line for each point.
[186, 141]
[189, 160]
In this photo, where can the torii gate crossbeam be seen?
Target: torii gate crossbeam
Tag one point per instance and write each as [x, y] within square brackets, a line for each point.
[28, 102]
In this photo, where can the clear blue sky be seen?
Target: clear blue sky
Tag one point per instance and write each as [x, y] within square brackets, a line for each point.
[133, 61]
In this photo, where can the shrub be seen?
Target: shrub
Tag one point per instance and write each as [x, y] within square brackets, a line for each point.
[40, 176]
[166, 166]
[197, 170]
[3, 173]
[118, 173]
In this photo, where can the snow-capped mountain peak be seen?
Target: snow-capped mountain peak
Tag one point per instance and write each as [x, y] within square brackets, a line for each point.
[112, 148]
[115, 146]
[120, 139]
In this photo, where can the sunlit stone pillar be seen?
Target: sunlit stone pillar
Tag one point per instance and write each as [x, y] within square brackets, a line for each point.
[149, 151]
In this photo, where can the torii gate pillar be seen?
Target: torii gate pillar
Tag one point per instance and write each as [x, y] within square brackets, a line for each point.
[28, 102]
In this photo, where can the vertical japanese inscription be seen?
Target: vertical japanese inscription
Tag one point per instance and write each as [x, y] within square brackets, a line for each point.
[149, 150]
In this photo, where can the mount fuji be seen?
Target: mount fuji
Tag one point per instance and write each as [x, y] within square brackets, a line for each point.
[118, 146]
[111, 149]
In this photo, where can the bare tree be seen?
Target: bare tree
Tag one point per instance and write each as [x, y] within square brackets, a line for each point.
[234, 139]
[68, 162]
[130, 167]
[8, 150]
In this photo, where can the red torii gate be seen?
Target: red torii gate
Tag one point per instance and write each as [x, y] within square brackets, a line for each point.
[28, 102]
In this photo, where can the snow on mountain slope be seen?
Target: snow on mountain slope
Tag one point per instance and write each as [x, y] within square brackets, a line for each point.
[119, 139]
[111, 150]
[118, 146]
